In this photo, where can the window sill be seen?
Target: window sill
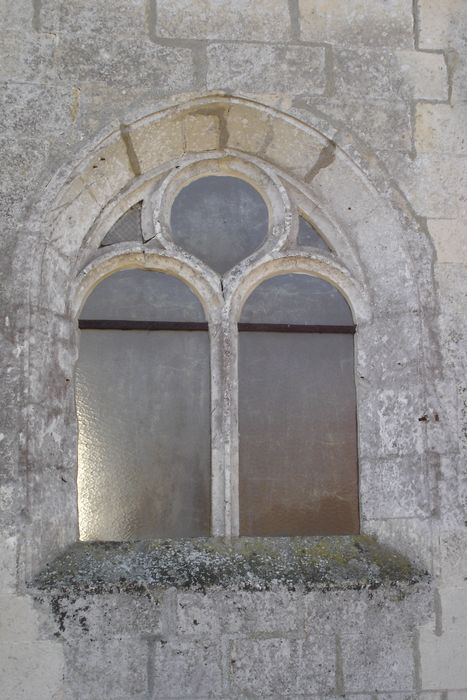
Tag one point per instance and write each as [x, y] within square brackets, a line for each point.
[249, 564]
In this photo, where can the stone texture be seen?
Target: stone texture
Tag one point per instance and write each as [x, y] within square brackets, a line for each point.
[441, 128]
[187, 669]
[267, 69]
[31, 670]
[221, 19]
[357, 23]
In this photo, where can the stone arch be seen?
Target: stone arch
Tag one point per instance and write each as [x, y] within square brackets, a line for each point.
[371, 230]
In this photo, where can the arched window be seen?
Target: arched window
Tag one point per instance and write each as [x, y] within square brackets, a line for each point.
[249, 429]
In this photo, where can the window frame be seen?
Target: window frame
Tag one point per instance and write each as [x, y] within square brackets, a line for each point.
[222, 298]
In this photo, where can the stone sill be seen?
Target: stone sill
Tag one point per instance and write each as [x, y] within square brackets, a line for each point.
[244, 563]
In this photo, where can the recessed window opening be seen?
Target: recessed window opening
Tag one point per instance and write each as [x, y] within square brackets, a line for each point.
[297, 410]
[143, 404]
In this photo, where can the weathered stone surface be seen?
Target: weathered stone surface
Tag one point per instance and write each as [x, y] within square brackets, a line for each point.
[84, 17]
[441, 128]
[267, 69]
[31, 670]
[450, 239]
[201, 132]
[395, 488]
[26, 56]
[186, 669]
[356, 23]
[441, 24]
[221, 19]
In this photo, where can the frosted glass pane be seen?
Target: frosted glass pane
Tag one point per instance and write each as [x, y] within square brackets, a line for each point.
[298, 440]
[296, 299]
[127, 228]
[143, 403]
[309, 236]
[142, 295]
[221, 220]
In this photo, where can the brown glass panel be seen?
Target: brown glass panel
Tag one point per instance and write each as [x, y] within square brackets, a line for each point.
[297, 299]
[221, 220]
[298, 442]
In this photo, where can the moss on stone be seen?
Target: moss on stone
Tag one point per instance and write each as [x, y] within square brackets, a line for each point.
[243, 563]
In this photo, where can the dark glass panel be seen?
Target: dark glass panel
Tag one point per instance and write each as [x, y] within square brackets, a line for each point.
[142, 295]
[309, 236]
[127, 228]
[297, 299]
[221, 220]
[298, 442]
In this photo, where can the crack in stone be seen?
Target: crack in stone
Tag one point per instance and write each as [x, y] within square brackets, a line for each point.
[325, 159]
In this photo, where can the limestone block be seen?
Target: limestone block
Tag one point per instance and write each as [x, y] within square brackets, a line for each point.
[450, 239]
[23, 161]
[398, 353]
[283, 666]
[198, 614]
[75, 213]
[459, 78]
[441, 128]
[190, 669]
[124, 62]
[26, 56]
[18, 619]
[222, 19]
[443, 649]
[31, 670]
[201, 132]
[247, 128]
[18, 15]
[366, 73]
[115, 668]
[266, 69]
[293, 149]
[86, 17]
[451, 554]
[157, 143]
[410, 536]
[8, 551]
[265, 612]
[425, 73]
[108, 173]
[357, 23]
[441, 24]
[374, 661]
[36, 111]
[452, 284]
[393, 488]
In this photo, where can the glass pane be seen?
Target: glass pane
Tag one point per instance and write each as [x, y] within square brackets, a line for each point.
[298, 441]
[297, 299]
[143, 295]
[221, 220]
[127, 228]
[143, 404]
[309, 236]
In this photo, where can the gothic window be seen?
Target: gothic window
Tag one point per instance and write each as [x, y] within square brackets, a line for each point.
[215, 385]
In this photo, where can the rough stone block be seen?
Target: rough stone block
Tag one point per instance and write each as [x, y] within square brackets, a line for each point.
[441, 24]
[18, 619]
[292, 149]
[85, 17]
[222, 19]
[442, 650]
[26, 56]
[190, 669]
[262, 68]
[123, 62]
[375, 662]
[198, 614]
[451, 555]
[265, 612]
[398, 354]
[31, 670]
[156, 143]
[409, 536]
[389, 75]
[441, 128]
[395, 488]
[32, 110]
[248, 129]
[201, 132]
[356, 23]
[110, 669]
[18, 15]
[450, 239]
[459, 77]
[284, 667]
[8, 547]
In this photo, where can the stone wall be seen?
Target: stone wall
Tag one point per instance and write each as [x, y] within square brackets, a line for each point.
[365, 105]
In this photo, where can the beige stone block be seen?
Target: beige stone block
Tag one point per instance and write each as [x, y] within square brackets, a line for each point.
[426, 73]
[108, 172]
[247, 128]
[157, 143]
[357, 22]
[441, 127]
[18, 619]
[224, 19]
[201, 132]
[31, 671]
[293, 149]
[443, 645]
[441, 23]
[450, 239]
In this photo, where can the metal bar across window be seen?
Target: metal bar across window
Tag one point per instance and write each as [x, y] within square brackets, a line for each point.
[121, 325]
